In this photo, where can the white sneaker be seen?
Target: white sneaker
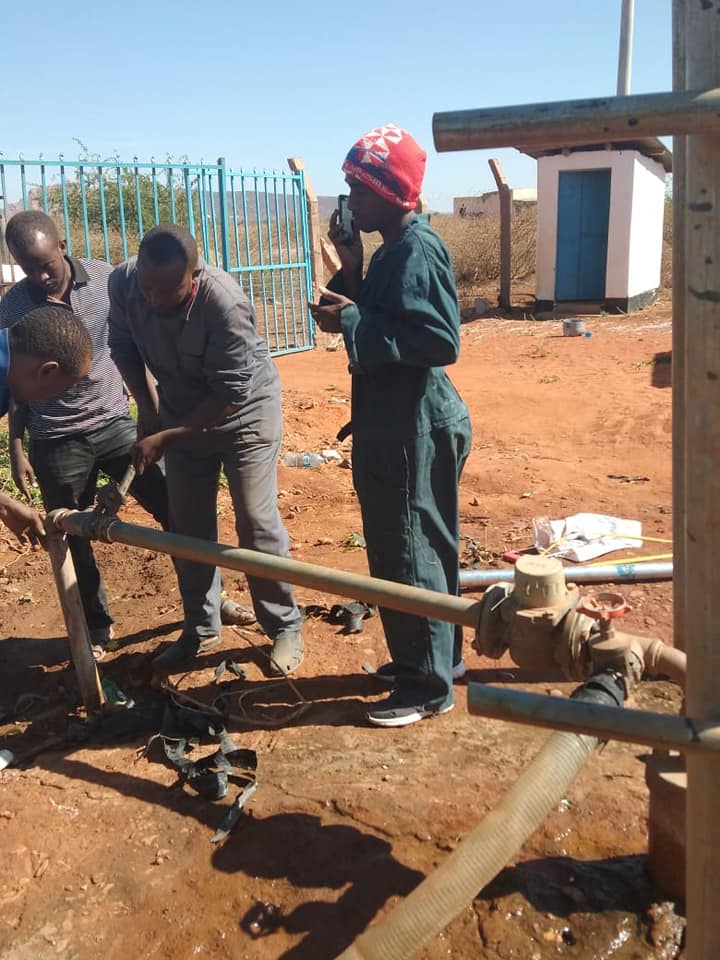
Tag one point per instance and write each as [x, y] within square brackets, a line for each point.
[390, 713]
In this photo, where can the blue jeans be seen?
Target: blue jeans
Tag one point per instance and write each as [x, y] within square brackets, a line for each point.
[67, 471]
[408, 492]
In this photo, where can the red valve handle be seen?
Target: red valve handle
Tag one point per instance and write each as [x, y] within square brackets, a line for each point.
[605, 606]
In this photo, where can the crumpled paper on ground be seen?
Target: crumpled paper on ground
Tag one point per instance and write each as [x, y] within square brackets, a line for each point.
[583, 536]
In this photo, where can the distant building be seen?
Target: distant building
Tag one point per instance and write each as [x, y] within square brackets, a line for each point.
[10, 273]
[600, 223]
[488, 204]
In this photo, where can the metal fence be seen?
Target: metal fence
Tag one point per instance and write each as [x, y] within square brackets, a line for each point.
[253, 224]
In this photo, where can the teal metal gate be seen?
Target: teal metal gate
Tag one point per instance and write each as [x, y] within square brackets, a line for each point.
[252, 224]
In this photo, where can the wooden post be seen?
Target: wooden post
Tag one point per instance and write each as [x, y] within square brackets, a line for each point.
[297, 164]
[505, 198]
[702, 478]
[679, 283]
[331, 260]
[77, 630]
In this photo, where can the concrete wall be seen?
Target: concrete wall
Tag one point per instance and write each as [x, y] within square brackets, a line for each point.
[488, 204]
[646, 226]
[637, 190]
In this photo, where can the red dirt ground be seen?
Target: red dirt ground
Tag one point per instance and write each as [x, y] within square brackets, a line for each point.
[101, 858]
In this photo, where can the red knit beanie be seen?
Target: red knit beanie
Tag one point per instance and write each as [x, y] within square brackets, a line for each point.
[390, 162]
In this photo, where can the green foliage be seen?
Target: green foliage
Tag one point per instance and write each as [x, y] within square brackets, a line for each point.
[7, 485]
[128, 195]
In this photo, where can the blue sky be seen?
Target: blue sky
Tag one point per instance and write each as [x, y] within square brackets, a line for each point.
[258, 83]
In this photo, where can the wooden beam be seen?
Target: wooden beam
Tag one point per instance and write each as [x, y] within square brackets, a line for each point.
[78, 635]
[679, 282]
[297, 164]
[505, 199]
[701, 423]
[571, 122]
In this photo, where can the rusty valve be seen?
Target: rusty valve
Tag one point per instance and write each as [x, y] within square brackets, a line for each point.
[604, 607]
[611, 648]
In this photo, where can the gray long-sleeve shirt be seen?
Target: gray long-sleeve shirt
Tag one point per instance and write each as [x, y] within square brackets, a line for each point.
[212, 348]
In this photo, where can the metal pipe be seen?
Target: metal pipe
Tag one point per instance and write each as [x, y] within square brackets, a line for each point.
[661, 658]
[571, 122]
[633, 726]
[607, 573]
[625, 52]
[78, 636]
[385, 593]
[679, 284]
[700, 435]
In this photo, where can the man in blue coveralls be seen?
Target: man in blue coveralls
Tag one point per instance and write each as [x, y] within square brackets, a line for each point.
[411, 431]
[40, 357]
[219, 406]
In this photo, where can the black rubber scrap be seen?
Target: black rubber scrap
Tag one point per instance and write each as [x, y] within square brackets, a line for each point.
[181, 731]
[229, 666]
[233, 815]
[351, 615]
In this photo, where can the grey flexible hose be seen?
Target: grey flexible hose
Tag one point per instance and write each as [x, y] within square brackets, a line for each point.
[450, 888]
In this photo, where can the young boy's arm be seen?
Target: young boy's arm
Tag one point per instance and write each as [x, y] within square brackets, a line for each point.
[22, 471]
[25, 522]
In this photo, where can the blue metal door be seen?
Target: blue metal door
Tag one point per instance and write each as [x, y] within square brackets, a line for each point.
[582, 234]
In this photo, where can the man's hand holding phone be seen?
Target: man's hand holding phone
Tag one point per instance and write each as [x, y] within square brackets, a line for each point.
[345, 238]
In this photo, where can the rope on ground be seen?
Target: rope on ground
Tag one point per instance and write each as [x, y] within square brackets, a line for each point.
[245, 717]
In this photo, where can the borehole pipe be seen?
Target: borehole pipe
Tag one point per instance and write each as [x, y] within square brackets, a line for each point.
[665, 731]
[605, 573]
[568, 122]
[386, 593]
[450, 888]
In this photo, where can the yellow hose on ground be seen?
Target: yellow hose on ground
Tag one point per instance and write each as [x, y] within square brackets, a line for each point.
[454, 885]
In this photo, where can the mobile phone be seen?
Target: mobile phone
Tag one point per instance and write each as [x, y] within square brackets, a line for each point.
[345, 220]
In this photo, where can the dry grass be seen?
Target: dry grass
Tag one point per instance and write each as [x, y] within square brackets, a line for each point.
[474, 244]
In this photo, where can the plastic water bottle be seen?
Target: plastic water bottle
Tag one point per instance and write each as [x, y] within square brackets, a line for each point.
[303, 460]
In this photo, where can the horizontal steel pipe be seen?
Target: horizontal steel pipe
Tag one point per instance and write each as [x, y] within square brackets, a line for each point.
[574, 122]
[605, 573]
[633, 726]
[385, 593]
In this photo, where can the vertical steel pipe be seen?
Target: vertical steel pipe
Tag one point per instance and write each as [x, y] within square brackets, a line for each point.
[121, 213]
[701, 426]
[627, 19]
[103, 214]
[85, 219]
[679, 283]
[66, 211]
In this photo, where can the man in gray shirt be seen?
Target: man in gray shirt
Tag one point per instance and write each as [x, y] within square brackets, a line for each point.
[87, 429]
[218, 406]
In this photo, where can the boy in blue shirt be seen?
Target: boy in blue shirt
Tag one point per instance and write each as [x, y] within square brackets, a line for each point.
[40, 357]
